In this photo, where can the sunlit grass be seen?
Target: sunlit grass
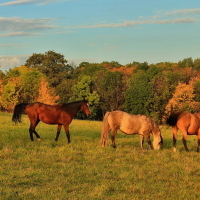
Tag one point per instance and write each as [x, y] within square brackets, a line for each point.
[84, 170]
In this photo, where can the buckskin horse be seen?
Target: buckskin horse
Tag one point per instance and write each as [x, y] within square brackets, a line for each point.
[188, 124]
[60, 114]
[131, 124]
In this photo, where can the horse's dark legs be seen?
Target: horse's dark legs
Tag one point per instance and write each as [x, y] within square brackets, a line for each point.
[174, 130]
[198, 142]
[113, 138]
[184, 141]
[32, 130]
[67, 133]
[58, 132]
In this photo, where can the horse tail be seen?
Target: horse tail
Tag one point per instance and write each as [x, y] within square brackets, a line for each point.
[172, 119]
[18, 110]
[105, 129]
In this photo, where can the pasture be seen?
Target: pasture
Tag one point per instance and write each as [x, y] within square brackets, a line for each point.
[50, 170]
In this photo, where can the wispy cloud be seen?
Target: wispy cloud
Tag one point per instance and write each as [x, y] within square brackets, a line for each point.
[150, 21]
[162, 17]
[26, 2]
[18, 24]
[181, 12]
[18, 34]
[11, 44]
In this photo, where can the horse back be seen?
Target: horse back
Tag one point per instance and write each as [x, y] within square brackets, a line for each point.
[130, 124]
[49, 114]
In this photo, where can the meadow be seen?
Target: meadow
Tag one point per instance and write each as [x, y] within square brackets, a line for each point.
[49, 170]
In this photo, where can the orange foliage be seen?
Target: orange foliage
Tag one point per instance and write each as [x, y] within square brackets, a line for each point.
[124, 70]
[46, 94]
[183, 97]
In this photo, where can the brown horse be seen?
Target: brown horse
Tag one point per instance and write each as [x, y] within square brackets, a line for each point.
[188, 124]
[130, 124]
[60, 114]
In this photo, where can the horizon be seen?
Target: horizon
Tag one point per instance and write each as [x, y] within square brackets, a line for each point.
[86, 31]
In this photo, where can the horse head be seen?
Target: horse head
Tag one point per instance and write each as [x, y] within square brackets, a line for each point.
[85, 107]
[157, 142]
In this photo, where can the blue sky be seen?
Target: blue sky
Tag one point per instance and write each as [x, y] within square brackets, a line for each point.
[93, 31]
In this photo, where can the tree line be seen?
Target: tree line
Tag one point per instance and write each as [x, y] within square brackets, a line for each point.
[137, 88]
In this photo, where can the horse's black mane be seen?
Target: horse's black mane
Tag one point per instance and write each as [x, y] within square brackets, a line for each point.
[75, 102]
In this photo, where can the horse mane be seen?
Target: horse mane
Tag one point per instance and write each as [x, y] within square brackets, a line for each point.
[75, 102]
[172, 119]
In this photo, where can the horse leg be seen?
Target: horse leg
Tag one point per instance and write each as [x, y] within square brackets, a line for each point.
[113, 138]
[34, 131]
[58, 131]
[67, 133]
[149, 142]
[198, 142]
[31, 133]
[174, 130]
[141, 141]
[184, 141]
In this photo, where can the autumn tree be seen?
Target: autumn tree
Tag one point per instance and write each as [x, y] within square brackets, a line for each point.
[183, 98]
[52, 64]
[46, 94]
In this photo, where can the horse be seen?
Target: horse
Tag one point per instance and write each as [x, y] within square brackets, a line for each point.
[131, 124]
[60, 114]
[187, 123]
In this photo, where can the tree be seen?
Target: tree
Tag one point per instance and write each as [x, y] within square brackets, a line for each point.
[110, 87]
[30, 82]
[187, 62]
[52, 64]
[64, 90]
[139, 94]
[183, 98]
[10, 96]
[46, 94]
[82, 90]
[197, 64]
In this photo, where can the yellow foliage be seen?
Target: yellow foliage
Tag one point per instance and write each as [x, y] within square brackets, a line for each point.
[183, 97]
[46, 94]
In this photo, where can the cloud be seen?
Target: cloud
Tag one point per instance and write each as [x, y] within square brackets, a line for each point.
[18, 34]
[19, 24]
[9, 62]
[148, 21]
[26, 2]
[182, 12]
[163, 17]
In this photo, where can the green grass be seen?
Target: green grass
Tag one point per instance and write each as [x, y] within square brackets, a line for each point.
[49, 170]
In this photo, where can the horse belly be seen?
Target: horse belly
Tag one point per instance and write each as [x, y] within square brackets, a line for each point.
[49, 118]
[129, 129]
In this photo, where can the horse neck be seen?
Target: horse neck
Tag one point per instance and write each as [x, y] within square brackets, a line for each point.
[74, 108]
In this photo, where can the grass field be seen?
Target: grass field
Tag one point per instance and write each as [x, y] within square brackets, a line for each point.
[49, 170]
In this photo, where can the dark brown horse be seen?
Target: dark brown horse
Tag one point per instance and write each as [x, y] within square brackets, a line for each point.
[60, 114]
[188, 124]
[131, 124]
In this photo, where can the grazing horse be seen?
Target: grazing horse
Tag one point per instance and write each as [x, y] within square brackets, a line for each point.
[60, 114]
[130, 124]
[188, 124]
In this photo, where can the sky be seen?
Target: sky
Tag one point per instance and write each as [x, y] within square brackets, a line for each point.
[94, 31]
